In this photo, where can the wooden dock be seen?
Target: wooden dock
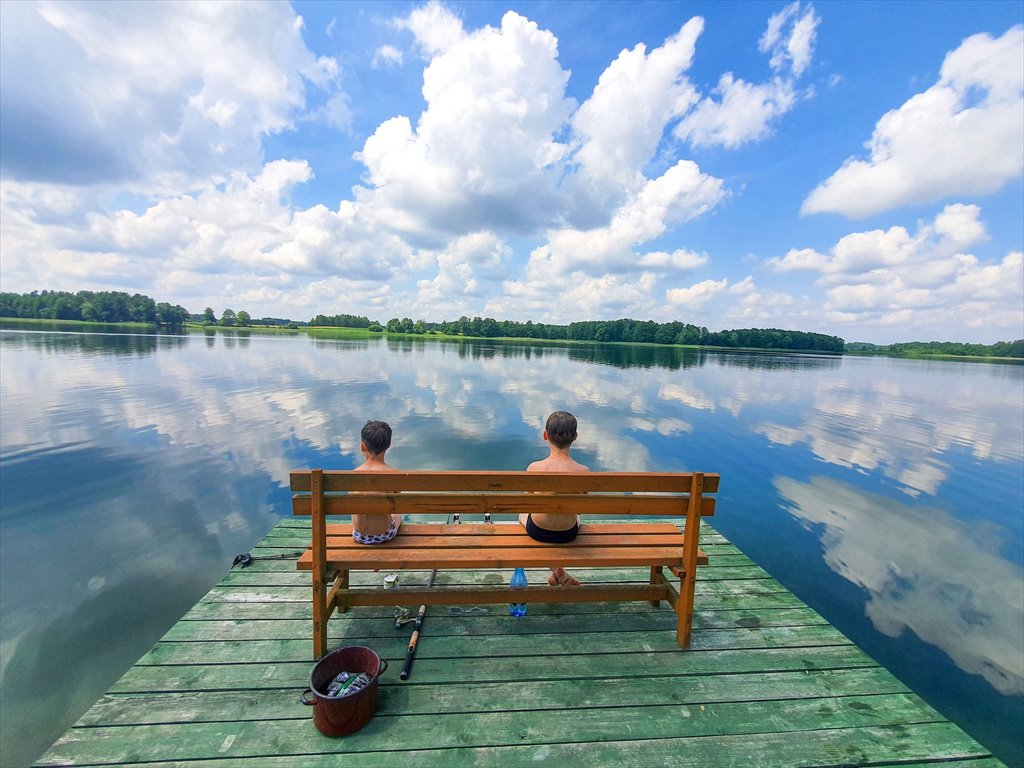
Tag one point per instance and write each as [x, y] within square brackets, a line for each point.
[768, 682]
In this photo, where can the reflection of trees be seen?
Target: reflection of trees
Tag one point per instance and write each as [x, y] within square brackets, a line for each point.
[626, 356]
[404, 346]
[94, 343]
[775, 361]
[340, 344]
[949, 587]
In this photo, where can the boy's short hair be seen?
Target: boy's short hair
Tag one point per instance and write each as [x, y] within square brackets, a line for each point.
[561, 429]
[377, 436]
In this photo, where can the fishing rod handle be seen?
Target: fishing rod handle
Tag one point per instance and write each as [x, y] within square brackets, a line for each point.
[409, 654]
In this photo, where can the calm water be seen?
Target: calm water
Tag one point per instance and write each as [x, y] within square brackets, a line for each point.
[887, 494]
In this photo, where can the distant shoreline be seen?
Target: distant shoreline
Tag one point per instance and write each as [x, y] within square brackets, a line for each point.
[13, 323]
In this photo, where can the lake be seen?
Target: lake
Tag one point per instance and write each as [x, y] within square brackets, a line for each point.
[886, 493]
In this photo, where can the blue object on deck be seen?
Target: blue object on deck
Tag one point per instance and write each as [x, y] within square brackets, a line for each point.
[518, 580]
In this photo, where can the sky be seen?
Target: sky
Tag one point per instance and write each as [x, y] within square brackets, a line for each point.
[855, 169]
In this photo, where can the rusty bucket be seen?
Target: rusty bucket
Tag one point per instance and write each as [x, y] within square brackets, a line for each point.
[341, 716]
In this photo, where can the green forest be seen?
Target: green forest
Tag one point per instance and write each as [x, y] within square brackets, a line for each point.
[92, 306]
[120, 307]
[932, 348]
[625, 330]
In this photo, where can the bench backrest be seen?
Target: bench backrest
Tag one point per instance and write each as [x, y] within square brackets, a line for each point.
[643, 494]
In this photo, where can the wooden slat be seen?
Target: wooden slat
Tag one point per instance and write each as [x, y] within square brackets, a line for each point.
[501, 504]
[496, 558]
[486, 529]
[562, 482]
[525, 557]
[592, 593]
[512, 539]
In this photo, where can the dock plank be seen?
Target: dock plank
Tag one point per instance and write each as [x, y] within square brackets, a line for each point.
[768, 682]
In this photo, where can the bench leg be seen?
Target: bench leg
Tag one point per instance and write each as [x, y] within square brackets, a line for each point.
[342, 584]
[684, 611]
[656, 579]
[320, 617]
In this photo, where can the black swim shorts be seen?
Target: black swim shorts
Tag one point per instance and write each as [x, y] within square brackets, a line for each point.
[537, 533]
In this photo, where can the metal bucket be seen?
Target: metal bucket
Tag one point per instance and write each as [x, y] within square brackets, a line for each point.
[345, 715]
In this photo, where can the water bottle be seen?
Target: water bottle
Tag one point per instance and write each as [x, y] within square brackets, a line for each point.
[518, 580]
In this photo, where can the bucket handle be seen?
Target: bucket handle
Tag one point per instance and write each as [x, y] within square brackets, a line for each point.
[383, 667]
[302, 697]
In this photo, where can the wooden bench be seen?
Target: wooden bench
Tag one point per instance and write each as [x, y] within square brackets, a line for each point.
[658, 545]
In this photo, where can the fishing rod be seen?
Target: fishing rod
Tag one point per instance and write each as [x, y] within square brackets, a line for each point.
[409, 654]
[245, 560]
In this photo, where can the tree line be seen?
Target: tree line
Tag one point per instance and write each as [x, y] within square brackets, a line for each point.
[346, 321]
[92, 306]
[958, 349]
[639, 331]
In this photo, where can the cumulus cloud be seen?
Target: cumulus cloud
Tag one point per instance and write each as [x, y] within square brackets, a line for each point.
[462, 269]
[962, 136]
[155, 97]
[387, 56]
[621, 124]
[923, 280]
[745, 111]
[682, 193]
[435, 27]
[480, 156]
[243, 235]
[696, 296]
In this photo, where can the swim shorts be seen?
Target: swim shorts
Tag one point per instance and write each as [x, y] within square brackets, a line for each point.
[376, 538]
[537, 533]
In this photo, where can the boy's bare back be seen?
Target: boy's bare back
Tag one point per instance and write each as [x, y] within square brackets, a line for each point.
[373, 454]
[558, 460]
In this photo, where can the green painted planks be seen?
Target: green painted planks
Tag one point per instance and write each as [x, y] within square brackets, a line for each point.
[478, 730]
[446, 624]
[205, 676]
[516, 642]
[445, 697]
[303, 609]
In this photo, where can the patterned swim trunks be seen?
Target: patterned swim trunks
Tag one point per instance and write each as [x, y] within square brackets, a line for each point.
[376, 538]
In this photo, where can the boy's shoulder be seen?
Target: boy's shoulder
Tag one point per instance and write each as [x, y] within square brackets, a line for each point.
[378, 466]
[557, 465]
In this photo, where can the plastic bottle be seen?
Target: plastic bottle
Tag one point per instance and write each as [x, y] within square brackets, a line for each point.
[518, 580]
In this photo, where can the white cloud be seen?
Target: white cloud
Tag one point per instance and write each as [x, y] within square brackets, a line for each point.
[387, 56]
[744, 111]
[155, 97]
[434, 26]
[696, 296]
[922, 281]
[963, 136]
[790, 38]
[487, 89]
[682, 193]
[461, 267]
[622, 122]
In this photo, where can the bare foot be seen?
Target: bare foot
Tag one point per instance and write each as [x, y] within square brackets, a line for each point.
[560, 578]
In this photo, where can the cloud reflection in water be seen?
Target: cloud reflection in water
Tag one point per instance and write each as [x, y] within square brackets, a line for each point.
[925, 571]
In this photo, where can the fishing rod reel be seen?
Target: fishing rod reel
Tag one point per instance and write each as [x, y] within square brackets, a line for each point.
[402, 617]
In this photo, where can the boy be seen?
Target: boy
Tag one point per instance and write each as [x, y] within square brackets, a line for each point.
[559, 433]
[375, 529]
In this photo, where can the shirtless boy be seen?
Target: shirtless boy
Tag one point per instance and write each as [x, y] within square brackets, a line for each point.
[375, 529]
[559, 433]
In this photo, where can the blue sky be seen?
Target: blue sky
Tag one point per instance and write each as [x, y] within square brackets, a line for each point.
[848, 168]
